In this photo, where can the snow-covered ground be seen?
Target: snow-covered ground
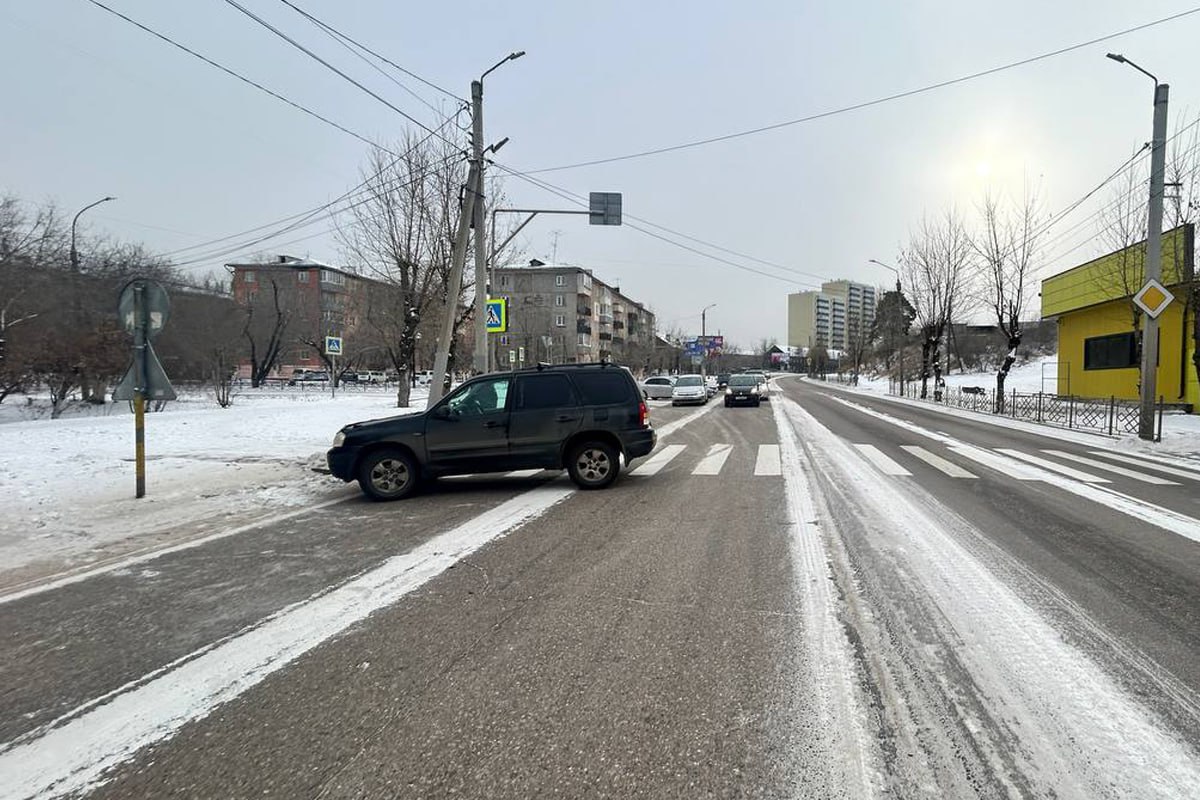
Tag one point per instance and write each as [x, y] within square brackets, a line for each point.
[67, 485]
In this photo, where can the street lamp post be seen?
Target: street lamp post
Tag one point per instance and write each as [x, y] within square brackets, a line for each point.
[704, 333]
[481, 287]
[1152, 268]
[74, 223]
[895, 337]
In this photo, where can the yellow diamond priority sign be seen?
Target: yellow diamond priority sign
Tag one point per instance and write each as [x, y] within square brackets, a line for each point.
[1153, 298]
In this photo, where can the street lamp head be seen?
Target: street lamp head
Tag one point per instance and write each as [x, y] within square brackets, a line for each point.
[1117, 57]
[516, 55]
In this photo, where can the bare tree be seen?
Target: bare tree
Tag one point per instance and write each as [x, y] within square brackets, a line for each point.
[1008, 248]
[400, 234]
[1182, 206]
[1123, 224]
[935, 268]
[268, 318]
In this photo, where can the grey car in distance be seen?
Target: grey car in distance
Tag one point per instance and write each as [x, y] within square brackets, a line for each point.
[658, 387]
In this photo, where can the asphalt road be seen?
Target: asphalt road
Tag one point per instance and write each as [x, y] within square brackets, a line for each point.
[826, 596]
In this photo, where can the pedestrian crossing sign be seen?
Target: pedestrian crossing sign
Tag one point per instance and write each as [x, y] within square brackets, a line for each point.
[497, 315]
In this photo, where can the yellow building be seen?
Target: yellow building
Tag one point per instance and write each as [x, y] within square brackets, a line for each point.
[1098, 354]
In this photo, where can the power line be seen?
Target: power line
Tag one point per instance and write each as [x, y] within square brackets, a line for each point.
[327, 65]
[231, 72]
[307, 220]
[868, 103]
[366, 49]
[575, 199]
[318, 209]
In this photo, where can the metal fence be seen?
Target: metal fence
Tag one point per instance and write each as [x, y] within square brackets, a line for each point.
[1111, 416]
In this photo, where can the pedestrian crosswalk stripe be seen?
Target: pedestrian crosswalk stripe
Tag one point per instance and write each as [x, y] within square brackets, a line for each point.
[1178, 473]
[767, 462]
[1005, 466]
[1128, 473]
[937, 462]
[659, 460]
[885, 465]
[1046, 463]
[712, 463]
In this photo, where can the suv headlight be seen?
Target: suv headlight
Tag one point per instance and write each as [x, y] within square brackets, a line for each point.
[339, 438]
[754, 390]
[728, 390]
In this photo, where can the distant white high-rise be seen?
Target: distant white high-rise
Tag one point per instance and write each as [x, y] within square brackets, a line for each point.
[838, 315]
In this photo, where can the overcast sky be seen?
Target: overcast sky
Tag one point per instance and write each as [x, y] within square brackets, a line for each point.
[95, 107]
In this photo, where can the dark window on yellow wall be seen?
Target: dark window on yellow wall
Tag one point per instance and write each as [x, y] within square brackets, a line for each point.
[1117, 351]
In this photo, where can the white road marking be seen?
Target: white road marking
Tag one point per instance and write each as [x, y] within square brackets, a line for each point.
[712, 463]
[885, 465]
[767, 462]
[656, 462]
[1046, 463]
[1005, 466]
[70, 576]
[1128, 473]
[1178, 473]
[71, 754]
[937, 462]
[1159, 516]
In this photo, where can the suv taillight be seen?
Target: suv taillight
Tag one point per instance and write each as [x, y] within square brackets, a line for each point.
[643, 414]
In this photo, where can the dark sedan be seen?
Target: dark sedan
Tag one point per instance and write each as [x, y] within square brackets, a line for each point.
[744, 389]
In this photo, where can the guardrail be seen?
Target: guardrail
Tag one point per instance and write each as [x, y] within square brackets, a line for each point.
[1110, 416]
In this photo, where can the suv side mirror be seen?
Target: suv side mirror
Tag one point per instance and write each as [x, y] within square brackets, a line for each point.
[443, 412]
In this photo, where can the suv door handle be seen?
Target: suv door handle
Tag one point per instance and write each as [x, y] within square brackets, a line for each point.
[565, 418]
[491, 423]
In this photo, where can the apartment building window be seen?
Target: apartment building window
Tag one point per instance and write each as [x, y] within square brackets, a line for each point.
[560, 280]
[560, 300]
[302, 277]
[560, 321]
[504, 281]
[248, 276]
[335, 278]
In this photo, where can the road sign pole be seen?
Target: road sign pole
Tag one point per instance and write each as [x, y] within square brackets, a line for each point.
[1153, 265]
[139, 397]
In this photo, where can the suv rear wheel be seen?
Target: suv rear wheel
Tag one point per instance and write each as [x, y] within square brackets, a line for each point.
[388, 475]
[593, 464]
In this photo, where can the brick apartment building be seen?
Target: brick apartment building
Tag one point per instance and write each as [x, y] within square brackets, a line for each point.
[320, 300]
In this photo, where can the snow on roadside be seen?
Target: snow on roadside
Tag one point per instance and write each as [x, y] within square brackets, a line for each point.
[1181, 432]
[67, 485]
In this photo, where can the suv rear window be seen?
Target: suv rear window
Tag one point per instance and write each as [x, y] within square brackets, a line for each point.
[604, 388]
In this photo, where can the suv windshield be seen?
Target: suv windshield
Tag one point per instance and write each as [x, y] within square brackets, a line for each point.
[743, 380]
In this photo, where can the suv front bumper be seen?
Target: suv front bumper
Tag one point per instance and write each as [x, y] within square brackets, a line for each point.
[341, 461]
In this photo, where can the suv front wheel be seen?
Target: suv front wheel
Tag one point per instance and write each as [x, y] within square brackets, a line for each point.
[593, 465]
[388, 475]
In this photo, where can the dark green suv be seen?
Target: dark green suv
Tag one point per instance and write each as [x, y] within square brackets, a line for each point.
[584, 417]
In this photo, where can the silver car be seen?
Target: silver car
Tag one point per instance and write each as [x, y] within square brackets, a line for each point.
[689, 389]
[658, 387]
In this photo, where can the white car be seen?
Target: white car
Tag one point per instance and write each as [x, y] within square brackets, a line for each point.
[658, 387]
[689, 389]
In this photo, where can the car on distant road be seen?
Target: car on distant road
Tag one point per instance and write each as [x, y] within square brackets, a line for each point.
[710, 383]
[308, 376]
[689, 389]
[743, 388]
[722, 381]
[658, 387]
[585, 418]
